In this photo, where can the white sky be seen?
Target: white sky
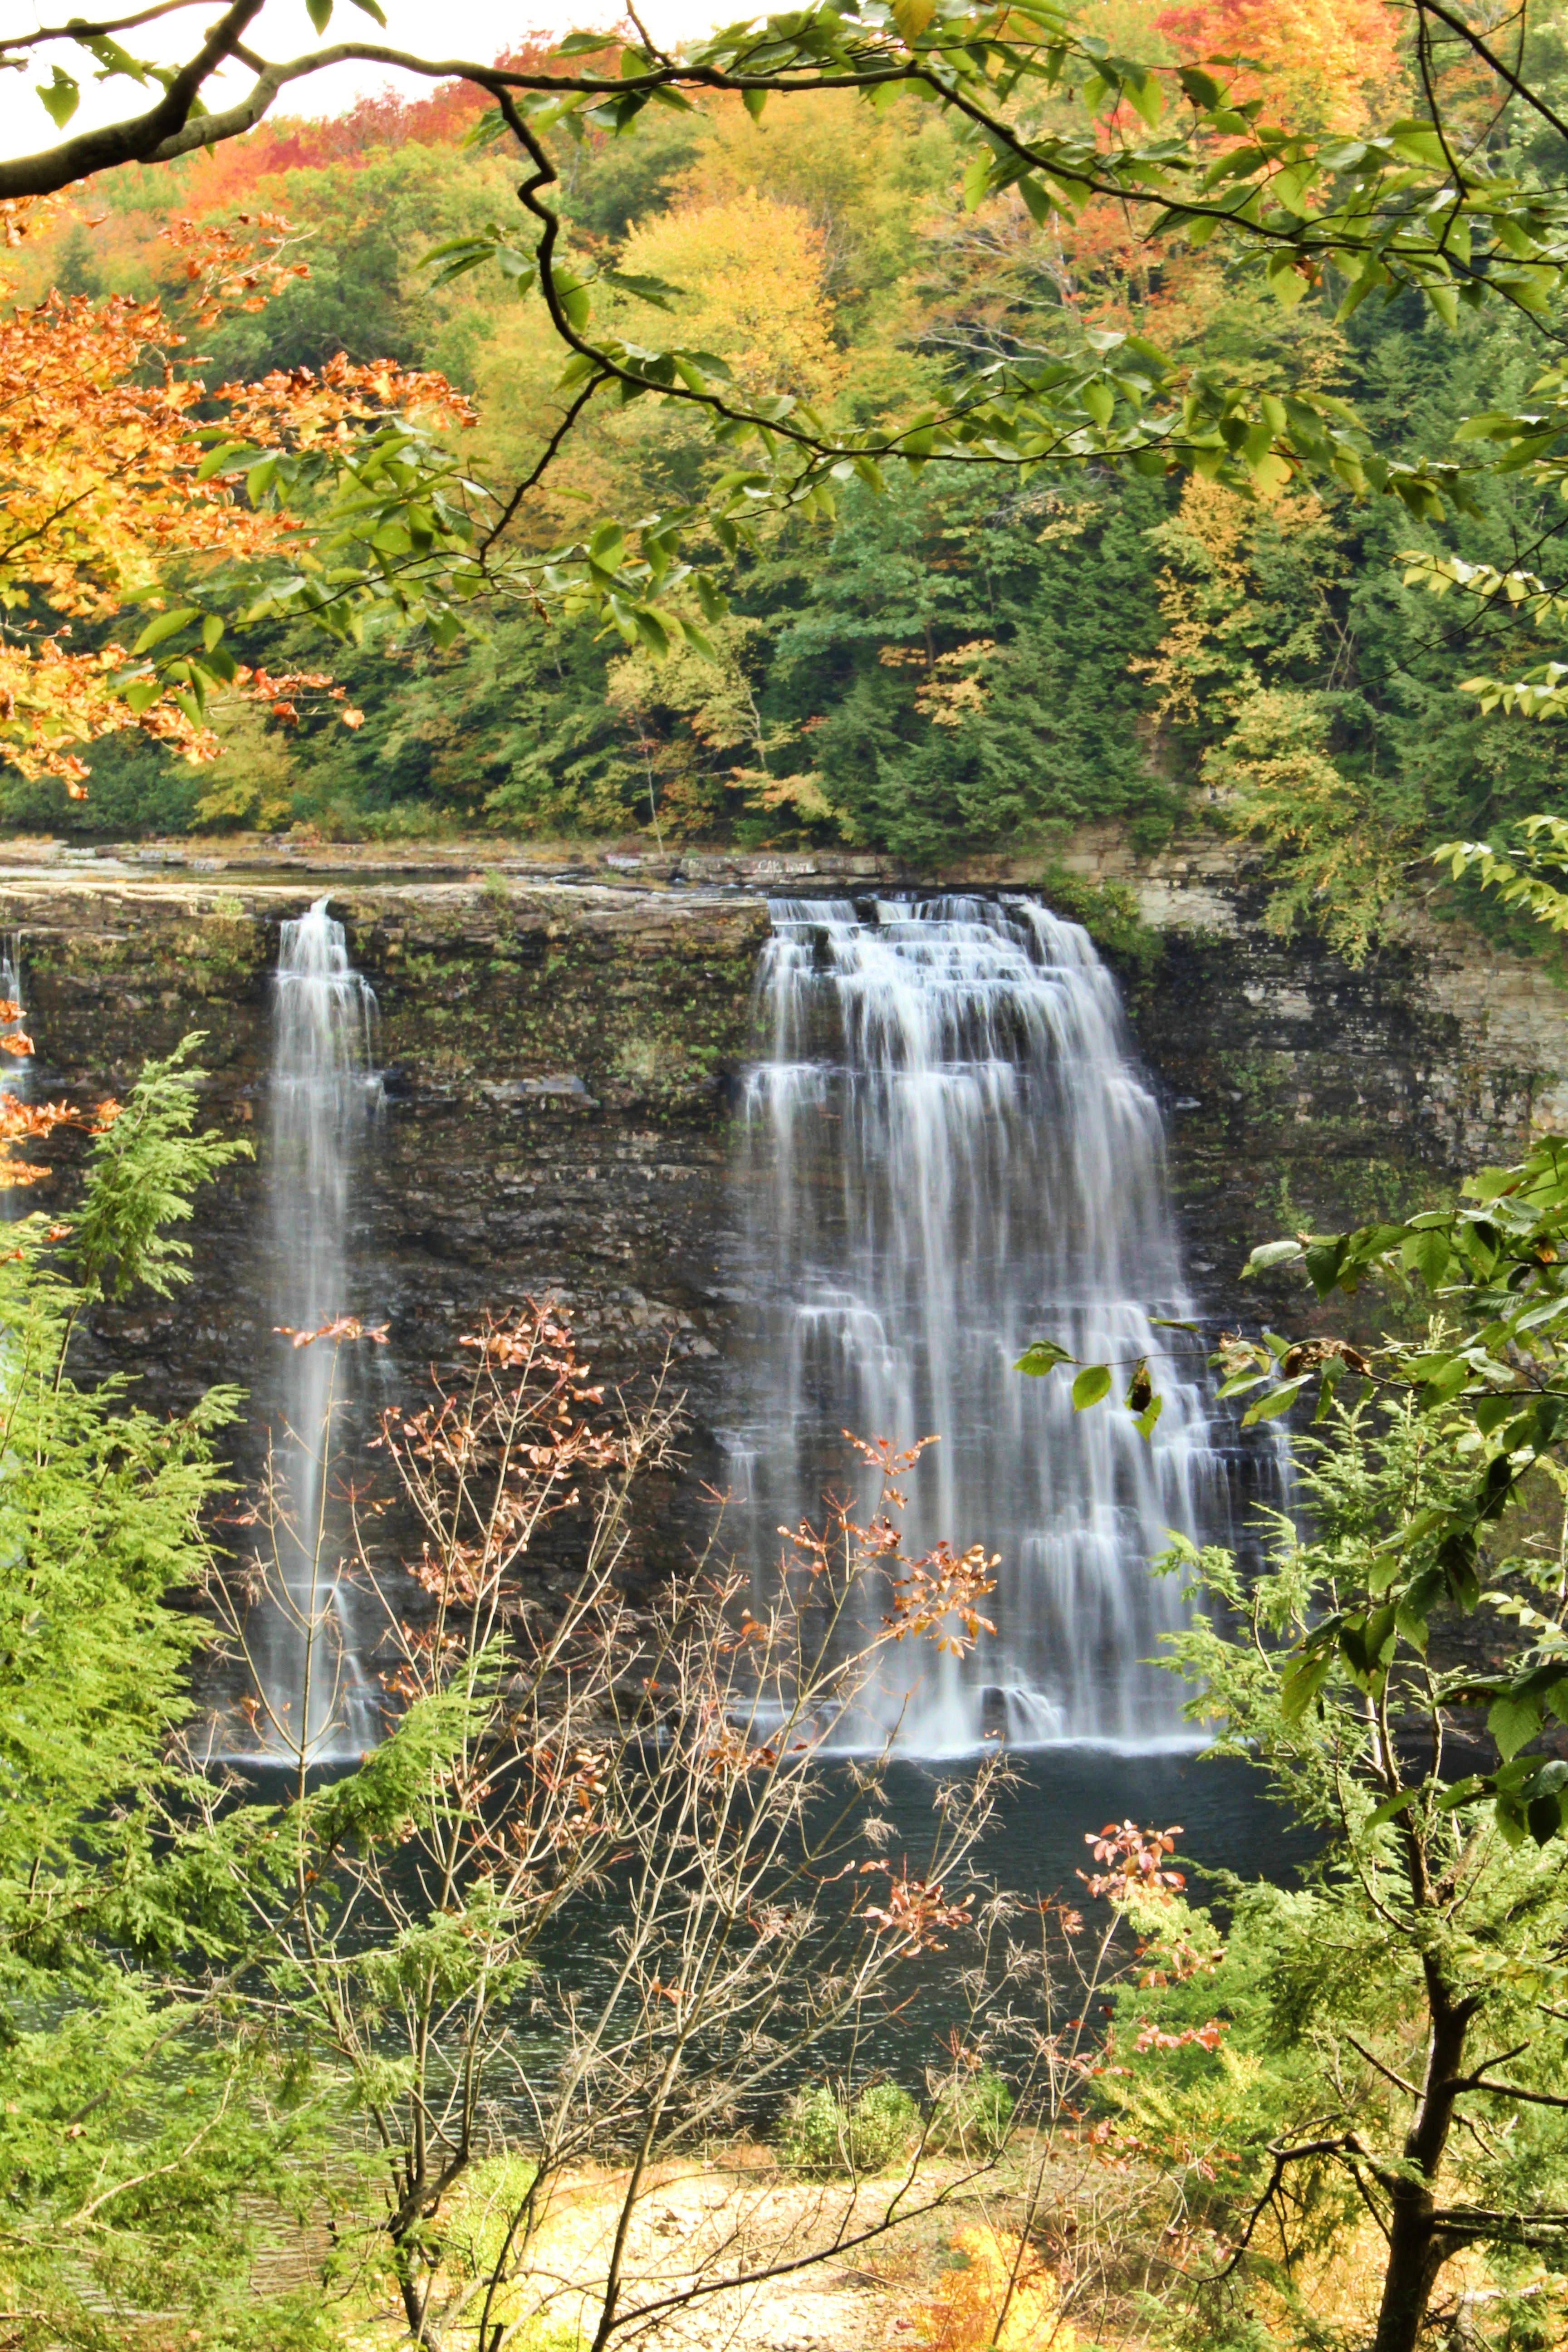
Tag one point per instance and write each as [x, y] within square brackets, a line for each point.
[435, 29]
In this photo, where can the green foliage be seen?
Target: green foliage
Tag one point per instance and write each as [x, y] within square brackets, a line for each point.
[366, 296]
[146, 1167]
[1419, 1941]
[1491, 1379]
[147, 2146]
[1109, 913]
[1051, 598]
[957, 660]
[137, 789]
[823, 2134]
[950, 541]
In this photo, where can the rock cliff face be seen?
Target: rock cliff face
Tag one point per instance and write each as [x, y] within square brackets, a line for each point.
[562, 1057]
[557, 1068]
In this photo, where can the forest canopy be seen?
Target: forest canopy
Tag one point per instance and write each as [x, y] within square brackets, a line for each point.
[1220, 621]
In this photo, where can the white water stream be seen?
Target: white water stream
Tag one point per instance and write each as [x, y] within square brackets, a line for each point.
[950, 1151]
[324, 1088]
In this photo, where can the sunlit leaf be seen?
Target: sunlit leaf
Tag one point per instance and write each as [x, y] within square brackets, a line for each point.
[61, 97]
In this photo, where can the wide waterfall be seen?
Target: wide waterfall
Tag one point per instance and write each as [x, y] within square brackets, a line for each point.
[324, 1086]
[949, 1153]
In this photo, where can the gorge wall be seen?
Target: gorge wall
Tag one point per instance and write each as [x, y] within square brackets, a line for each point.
[560, 1047]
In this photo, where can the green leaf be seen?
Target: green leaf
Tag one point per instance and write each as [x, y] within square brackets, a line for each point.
[1322, 1261]
[1391, 1806]
[1269, 1254]
[1144, 1423]
[1430, 1254]
[607, 546]
[1092, 1384]
[165, 625]
[1200, 87]
[61, 97]
[218, 460]
[1545, 1817]
[1302, 1682]
[320, 12]
[1146, 95]
[1042, 1356]
[573, 298]
[1277, 1401]
[657, 290]
[912, 16]
[1513, 1722]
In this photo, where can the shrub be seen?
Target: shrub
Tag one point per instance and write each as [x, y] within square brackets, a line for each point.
[822, 2133]
[972, 2117]
[997, 2297]
[479, 2217]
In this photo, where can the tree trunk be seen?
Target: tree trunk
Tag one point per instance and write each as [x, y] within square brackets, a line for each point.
[1416, 2249]
[1416, 2255]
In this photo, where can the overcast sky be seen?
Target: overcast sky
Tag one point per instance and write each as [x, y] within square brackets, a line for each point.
[435, 29]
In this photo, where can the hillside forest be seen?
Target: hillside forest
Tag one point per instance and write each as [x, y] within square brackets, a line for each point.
[952, 663]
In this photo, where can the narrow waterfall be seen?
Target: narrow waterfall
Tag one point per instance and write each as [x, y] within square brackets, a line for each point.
[325, 1086]
[949, 1153]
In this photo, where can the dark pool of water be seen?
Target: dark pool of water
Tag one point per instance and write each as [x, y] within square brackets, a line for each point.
[1037, 1843]
[1065, 1794]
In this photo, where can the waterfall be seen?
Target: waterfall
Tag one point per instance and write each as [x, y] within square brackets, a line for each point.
[949, 1151]
[325, 1086]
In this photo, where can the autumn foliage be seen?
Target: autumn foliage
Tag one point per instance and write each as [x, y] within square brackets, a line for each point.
[1321, 64]
[110, 483]
[998, 2297]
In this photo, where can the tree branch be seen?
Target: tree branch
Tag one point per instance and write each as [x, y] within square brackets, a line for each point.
[79, 30]
[137, 139]
[546, 458]
[1347, 2145]
[1387, 2071]
[1514, 2091]
[1521, 89]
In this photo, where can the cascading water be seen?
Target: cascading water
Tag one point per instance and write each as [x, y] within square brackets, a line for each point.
[949, 1153]
[325, 1086]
